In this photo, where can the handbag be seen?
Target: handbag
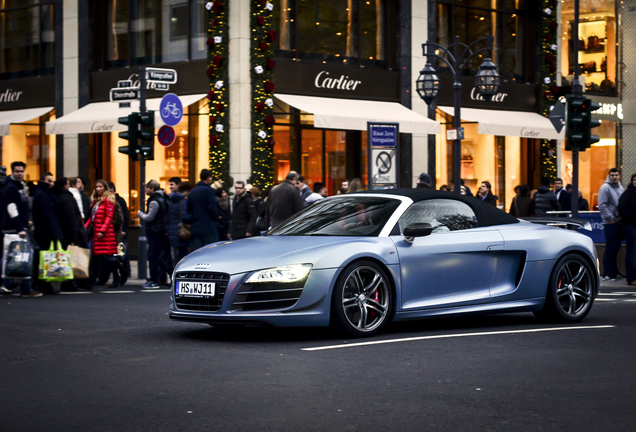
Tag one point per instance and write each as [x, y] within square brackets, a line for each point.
[184, 230]
[80, 260]
[17, 257]
[581, 43]
[55, 264]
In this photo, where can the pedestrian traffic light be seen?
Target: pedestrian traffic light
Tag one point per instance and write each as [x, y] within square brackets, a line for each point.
[579, 123]
[147, 134]
[131, 135]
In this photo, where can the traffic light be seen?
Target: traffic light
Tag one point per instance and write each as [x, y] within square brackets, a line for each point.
[573, 122]
[147, 134]
[579, 123]
[131, 135]
[589, 123]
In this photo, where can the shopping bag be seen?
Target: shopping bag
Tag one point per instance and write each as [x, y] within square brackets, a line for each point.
[56, 264]
[17, 257]
[80, 258]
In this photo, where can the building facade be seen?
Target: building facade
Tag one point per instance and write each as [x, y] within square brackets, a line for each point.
[338, 64]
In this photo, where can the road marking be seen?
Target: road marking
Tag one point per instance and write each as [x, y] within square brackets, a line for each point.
[630, 300]
[614, 294]
[74, 292]
[157, 290]
[116, 292]
[388, 341]
[597, 299]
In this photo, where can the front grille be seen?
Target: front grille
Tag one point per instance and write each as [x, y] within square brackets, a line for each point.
[203, 304]
[267, 296]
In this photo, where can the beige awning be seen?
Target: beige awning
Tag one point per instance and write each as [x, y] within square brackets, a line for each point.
[7, 118]
[352, 114]
[101, 117]
[509, 123]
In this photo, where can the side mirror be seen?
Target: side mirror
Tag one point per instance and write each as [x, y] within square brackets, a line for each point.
[417, 230]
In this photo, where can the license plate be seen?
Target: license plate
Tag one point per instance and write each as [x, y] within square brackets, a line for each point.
[195, 289]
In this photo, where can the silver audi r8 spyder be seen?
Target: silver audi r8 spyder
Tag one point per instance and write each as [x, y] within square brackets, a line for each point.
[359, 261]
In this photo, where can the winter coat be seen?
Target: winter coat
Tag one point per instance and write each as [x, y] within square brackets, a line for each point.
[70, 219]
[203, 212]
[305, 192]
[225, 217]
[103, 222]
[521, 206]
[283, 202]
[490, 199]
[157, 225]
[46, 223]
[565, 200]
[124, 209]
[14, 195]
[608, 196]
[243, 216]
[627, 206]
[86, 206]
[544, 200]
[177, 205]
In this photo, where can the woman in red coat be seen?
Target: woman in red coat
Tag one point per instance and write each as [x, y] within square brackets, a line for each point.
[103, 240]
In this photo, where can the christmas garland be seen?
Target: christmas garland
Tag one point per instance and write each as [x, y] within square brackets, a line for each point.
[262, 63]
[549, 89]
[218, 94]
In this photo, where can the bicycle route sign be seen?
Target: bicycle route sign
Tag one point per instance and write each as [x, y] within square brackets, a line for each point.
[166, 135]
[171, 109]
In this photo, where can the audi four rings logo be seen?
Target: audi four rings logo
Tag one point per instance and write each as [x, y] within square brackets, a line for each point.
[201, 266]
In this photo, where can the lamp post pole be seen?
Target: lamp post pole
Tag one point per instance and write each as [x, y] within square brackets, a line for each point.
[487, 82]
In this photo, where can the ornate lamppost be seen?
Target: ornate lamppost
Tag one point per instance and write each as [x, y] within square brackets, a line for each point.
[456, 57]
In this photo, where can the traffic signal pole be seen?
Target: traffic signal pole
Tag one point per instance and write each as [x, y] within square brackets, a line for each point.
[577, 91]
[142, 257]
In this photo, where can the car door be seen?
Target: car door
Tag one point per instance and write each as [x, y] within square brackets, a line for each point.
[454, 265]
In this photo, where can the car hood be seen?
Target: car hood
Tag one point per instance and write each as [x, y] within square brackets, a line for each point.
[256, 253]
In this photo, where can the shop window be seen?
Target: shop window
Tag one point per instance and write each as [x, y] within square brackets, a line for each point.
[597, 50]
[27, 39]
[149, 32]
[508, 21]
[341, 31]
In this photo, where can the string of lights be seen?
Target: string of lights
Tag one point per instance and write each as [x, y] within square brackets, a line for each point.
[218, 94]
[262, 64]
[549, 89]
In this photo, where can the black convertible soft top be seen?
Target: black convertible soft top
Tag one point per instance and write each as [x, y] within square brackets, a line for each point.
[487, 215]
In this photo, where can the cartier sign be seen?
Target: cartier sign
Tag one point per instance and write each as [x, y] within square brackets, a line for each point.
[323, 80]
[24, 93]
[511, 95]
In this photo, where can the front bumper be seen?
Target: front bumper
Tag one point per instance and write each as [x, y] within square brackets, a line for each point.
[311, 309]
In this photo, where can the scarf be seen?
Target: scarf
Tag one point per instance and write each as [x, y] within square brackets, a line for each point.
[223, 203]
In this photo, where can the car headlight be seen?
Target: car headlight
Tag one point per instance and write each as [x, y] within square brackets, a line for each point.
[292, 273]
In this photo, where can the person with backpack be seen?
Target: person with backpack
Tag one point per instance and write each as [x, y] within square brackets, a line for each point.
[156, 223]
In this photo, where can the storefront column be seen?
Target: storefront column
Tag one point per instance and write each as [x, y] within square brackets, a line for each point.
[419, 35]
[71, 79]
[629, 91]
[240, 91]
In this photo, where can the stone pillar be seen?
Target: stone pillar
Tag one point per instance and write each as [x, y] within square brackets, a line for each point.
[240, 88]
[70, 61]
[419, 35]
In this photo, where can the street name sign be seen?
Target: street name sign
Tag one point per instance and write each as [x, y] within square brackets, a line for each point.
[157, 75]
[124, 94]
[160, 86]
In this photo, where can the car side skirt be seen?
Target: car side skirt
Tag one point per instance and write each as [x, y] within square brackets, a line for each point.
[528, 305]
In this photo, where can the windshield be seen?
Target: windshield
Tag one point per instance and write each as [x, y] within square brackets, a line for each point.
[347, 216]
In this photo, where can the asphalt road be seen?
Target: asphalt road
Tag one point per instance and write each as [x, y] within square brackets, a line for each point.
[113, 361]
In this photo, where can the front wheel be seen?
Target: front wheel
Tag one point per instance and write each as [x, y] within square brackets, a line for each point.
[362, 301]
[571, 291]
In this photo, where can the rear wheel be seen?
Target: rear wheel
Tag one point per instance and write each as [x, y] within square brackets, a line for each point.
[362, 301]
[571, 290]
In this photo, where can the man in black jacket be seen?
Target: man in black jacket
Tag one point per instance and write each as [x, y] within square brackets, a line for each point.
[15, 216]
[46, 224]
[283, 200]
[564, 197]
[156, 222]
[243, 213]
[544, 199]
[202, 212]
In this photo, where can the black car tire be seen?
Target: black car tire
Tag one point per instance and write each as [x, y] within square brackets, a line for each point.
[571, 290]
[362, 302]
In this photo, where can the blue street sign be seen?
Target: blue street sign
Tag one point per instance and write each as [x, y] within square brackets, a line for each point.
[383, 135]
[171, 109]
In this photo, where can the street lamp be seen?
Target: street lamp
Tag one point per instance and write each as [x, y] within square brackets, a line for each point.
[487, 82]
